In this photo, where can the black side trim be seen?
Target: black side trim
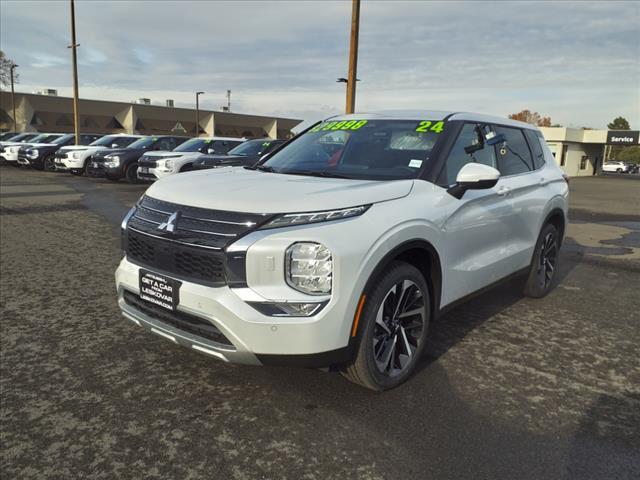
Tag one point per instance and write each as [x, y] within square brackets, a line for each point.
[332, 358]
[466, 298]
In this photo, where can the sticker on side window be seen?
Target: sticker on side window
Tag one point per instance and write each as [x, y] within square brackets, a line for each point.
[430, 126]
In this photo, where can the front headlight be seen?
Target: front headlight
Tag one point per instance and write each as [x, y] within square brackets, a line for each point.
[309, 268]
[290, 219]
[76, 155]
[169, 164]
[33, 153]
[112, 161]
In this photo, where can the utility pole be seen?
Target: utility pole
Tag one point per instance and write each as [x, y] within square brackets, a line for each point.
[74, 55]
[13, 98]
[198, 113]
[228, 100]
[353, 56]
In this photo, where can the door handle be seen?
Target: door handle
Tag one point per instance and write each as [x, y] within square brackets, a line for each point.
[503, 191]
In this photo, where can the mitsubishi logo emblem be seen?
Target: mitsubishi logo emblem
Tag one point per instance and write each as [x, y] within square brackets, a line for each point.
[171, 225]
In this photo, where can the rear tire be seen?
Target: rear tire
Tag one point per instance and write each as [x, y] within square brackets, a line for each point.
[392, 329]
[544, 264]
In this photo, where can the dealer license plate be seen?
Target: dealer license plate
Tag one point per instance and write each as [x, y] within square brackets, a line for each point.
[160, 290]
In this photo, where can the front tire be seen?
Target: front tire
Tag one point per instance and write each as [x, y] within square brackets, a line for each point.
[48, 164]
[542, 271]
[131, 174]
[393, 329]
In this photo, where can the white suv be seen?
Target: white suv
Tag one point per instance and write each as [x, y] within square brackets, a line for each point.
[341, 246]
[76, 158]
[155, 165]
[618, 167]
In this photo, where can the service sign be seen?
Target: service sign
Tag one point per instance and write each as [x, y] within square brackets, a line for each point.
[623, 137]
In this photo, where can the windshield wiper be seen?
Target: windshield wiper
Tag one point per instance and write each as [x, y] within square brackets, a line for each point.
[315, 173]
[262, 168]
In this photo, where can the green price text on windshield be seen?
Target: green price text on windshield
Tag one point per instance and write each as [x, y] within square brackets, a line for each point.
[430, 126]
[341, 125]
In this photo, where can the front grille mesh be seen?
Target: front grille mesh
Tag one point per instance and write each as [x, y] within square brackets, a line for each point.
[194, 251]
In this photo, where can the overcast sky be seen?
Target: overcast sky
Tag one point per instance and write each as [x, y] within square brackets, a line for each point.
[578, 62]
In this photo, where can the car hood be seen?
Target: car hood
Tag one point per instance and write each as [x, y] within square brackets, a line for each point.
[39, 145]
[157, 155]
[82, 147]
[251, 191]
[213, 159]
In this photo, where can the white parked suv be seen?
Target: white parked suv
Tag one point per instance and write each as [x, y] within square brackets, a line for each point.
[76, 158]
[617, 167]
[339, 248]
[155, 165]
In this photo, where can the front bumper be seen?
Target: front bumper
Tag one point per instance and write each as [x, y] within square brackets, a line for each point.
[96, 169]
[253, 338]
[148, 174]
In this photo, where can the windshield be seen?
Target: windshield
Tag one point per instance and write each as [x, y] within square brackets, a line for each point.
[62, 139]
[360, 149]
[23, 137]
[109, 140]
[194, 145]
[250, 147]
[143, 142]
[45, 138]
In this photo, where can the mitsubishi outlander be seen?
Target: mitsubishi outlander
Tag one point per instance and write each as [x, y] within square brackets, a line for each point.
[341, 247]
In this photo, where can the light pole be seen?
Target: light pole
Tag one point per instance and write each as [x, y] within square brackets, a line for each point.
[353, 56]
[13, 98]
[74, 56]
[198, 113]
[346, 82]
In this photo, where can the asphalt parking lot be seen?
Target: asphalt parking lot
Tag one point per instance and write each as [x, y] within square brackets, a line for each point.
[511, 387]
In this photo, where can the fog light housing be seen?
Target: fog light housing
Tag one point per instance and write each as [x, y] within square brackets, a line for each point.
[288, 309]
[309, 268]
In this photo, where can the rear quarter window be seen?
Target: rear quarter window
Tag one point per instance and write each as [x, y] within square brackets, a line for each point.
[536, 148]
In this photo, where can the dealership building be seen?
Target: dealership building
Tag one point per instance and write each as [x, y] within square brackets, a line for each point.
[48, 112]
[581, 152]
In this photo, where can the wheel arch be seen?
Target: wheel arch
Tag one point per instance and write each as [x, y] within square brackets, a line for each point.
[422, 255]
[556, 217]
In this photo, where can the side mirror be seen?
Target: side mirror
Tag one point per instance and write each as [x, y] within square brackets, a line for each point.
[114, 145]
[474, 176]
[210, 151]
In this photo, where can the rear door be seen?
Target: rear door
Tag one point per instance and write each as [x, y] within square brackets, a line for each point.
[523, 180]
[475, 232]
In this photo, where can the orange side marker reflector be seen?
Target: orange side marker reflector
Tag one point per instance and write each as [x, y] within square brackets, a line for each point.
[356, 319]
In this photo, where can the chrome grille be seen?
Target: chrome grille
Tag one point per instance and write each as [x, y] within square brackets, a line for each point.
[194, 251]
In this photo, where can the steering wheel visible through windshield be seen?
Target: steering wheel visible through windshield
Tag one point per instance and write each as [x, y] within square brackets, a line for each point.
[359, 149]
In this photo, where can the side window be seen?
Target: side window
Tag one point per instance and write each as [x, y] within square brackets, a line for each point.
[514, 155]
[536, 148]
[468, 148]
[175, 141]
[162, 144]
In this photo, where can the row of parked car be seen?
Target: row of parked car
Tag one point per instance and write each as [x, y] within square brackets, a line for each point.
[131, 157]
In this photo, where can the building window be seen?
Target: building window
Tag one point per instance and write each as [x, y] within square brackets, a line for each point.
[563, 157]
[583, 162]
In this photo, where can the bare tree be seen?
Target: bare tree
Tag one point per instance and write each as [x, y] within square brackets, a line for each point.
[5, 70]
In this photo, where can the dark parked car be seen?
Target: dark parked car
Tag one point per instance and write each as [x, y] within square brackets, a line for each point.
[117, 163]
[244, 155]
[41, 156]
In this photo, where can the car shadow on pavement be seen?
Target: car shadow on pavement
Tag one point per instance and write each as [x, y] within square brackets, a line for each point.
[451, 328]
